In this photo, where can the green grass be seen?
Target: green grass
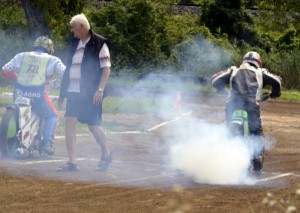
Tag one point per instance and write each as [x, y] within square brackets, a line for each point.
[150, 104]
[131, 105]
[290, 95]
[158, 84]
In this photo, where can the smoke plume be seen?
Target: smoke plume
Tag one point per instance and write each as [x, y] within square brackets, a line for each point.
[205, 153]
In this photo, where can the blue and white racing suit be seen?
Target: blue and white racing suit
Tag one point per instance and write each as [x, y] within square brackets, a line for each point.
[34, 70]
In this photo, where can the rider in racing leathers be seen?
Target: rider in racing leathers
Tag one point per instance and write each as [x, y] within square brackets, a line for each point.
[34, 70]
[245, 85]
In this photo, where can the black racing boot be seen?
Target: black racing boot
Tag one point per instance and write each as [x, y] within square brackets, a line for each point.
[258, 163]
[258, 159]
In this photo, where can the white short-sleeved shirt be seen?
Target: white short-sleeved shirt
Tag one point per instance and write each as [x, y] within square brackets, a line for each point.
[75, 70]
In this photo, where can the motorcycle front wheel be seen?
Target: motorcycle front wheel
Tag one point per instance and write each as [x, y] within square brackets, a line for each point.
[8, 131]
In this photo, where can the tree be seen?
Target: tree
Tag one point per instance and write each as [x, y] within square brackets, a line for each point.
[43, 15]
[35, 19]
[13, 29]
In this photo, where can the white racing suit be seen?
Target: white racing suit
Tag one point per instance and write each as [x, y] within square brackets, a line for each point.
[245, 85]
[34, 69]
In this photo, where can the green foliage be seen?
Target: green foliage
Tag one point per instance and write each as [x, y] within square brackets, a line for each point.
[150, 33]
[288, 40]
[57, 14]
[137, 30]
[280, 5]
[198, 56]
[289, 63]
[13, 28]
[251, 3]
[12, 19]
[280, 44]
[229, 17]
[146, 33]
[15, 33]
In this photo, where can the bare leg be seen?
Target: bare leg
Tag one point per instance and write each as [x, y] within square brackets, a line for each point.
[70, 134]
[100, 138]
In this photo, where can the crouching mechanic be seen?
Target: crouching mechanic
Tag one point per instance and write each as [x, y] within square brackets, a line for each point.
[245, 85]
[34, 70]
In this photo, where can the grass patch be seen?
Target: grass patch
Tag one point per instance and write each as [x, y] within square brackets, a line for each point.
[151, 104]
[290, 95]
[132, 105]
[161, 84]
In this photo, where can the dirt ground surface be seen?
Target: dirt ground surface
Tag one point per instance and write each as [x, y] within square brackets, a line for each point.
[140, 179]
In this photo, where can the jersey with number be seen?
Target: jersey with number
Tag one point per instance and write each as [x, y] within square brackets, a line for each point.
[34, 68]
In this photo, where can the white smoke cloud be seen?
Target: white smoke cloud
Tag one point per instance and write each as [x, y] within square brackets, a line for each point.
[197, 55]
[205, 153]
[201, 150]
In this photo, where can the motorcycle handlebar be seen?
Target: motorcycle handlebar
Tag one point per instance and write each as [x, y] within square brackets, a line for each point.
[265, 96]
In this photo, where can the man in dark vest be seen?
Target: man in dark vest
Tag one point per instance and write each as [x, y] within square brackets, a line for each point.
[83, 84]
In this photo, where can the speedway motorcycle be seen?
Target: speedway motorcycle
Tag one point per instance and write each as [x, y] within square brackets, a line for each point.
[21, 129]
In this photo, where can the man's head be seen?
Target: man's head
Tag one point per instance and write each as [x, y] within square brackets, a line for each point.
[253, 58]
[80, 26]
[44, 43]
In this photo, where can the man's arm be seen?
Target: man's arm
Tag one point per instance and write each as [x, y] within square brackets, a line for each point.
[14, 64]
[274, 81]
[98, 96]
[104, 78]
[221, 79]
[104, 57]
[59, 67]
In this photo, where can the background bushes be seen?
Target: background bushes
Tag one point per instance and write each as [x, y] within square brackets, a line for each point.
[153, 36]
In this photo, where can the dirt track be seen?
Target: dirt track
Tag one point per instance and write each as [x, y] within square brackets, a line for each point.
[139, 180]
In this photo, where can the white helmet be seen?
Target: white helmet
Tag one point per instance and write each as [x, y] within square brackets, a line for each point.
[253, 58]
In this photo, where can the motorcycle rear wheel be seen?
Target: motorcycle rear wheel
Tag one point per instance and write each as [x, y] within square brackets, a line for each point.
[8, 131]
[236, 130]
